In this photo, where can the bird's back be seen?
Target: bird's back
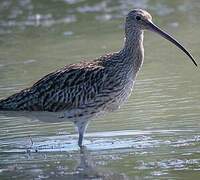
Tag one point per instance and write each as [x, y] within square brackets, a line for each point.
[55, 91]
[88, 87]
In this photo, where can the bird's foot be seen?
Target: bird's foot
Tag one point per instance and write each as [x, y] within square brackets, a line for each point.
[83, 149]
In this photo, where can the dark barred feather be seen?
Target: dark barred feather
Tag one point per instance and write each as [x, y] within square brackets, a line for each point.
[74, 86]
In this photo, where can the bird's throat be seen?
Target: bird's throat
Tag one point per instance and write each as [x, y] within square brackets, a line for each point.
[133, 50]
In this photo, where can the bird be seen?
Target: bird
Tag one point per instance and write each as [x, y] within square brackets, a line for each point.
[82, 91]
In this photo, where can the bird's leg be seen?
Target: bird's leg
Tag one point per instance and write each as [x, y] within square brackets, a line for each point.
[80, 139]
[81, 125]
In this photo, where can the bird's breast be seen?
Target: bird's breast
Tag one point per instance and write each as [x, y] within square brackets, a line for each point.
[119, 95]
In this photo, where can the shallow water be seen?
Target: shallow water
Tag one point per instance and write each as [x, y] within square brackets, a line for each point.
[155, 135]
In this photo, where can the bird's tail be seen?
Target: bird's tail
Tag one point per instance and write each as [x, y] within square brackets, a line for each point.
[6, 104]
[13, 102]
[3, 105]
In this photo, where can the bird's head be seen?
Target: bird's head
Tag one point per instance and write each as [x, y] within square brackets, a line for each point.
[139, 20]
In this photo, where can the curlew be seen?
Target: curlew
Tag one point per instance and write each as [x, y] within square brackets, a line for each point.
[79, 92]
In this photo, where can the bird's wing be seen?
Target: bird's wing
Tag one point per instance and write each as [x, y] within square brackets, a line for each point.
[67, 88]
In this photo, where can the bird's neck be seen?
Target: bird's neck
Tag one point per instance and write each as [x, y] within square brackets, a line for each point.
[133, 51]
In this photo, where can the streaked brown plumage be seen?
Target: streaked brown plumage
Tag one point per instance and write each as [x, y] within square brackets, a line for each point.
[81, 91]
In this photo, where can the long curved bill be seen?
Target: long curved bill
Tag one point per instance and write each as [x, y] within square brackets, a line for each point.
[159, 31]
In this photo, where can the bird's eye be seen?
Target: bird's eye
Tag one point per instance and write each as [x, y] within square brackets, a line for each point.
[138, 18]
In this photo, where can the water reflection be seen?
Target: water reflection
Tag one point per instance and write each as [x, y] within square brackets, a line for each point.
[149, 155]
[89, 169]
[83, 165]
